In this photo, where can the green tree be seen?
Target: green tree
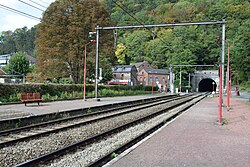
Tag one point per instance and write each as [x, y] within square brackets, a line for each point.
[120, 54]
[135, 44]
[22, 39]
[64, 32]
[7, 43]
[18, 64]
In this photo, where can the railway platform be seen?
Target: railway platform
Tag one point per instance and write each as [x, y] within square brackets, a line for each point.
[196, 139]
[20, 110]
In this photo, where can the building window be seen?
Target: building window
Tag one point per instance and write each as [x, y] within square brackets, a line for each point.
[114, 75]
[144, 79]
[163, 80]
[150, 80]
[141, 79]
[156, 79]
[122, 76]
[142, 73]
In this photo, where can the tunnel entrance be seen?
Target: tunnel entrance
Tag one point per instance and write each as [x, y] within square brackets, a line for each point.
[206, 85]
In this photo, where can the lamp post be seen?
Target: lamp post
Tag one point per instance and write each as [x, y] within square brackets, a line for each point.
[85, 68]
[152, 81]
[213, 86]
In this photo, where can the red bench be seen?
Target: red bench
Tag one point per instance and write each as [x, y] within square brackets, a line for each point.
[30, 98]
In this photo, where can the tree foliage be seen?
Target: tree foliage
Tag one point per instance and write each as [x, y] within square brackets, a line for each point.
[22, 39]
[18, 64]
[185, 45]
[64, 32]
[66, 23]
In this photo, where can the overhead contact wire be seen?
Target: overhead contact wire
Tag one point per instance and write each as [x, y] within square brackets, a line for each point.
[30, 5]
[38, 4]
[19, 12]
[140, 22]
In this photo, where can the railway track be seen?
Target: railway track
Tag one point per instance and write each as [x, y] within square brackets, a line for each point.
[109, 132]
[28, 132]
[16, 123]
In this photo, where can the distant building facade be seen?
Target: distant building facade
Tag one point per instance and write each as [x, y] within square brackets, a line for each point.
[146, 74]
[124, 75]
[8, 78]
[151, 76]
[141, 65]
[139, 73]
[4, 59]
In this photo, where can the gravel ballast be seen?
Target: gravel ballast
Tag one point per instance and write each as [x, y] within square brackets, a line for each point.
[24, 151]
[99, 149]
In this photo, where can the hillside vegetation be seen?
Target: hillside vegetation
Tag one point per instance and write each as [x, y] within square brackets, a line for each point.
[172, 45]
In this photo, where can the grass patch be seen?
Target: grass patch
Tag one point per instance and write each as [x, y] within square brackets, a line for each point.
[245, 87]
[225, 121]
[113, 155]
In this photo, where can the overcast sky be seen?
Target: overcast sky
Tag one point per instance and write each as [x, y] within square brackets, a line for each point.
[11, 21]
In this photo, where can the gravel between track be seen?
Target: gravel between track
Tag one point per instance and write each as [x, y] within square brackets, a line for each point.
[24, 151]
[66, 123]
[96, 150]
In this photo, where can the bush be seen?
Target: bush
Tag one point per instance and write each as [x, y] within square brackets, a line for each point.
[245, 86]
[11, 92]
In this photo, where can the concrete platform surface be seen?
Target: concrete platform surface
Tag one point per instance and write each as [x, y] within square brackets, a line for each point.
[195, 139]
[17, 110]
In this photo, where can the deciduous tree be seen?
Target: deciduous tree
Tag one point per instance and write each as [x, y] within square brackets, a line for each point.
[18, 64]
[64, 32]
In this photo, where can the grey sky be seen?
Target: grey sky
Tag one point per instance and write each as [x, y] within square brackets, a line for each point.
[11, 21]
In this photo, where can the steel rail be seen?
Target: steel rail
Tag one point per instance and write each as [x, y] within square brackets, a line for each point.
[74, 112]
[73, 125]
[106, 158]
[6, 132]
[64, 150]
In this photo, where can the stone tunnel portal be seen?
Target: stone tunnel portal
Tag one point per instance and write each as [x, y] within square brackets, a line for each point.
[207, 85]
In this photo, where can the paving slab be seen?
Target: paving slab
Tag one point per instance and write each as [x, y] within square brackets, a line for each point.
[195, 139]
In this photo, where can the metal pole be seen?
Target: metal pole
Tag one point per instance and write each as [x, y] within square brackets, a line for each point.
[180, 79]
[153, 34]
[220, 98]
[23, 78]
[163, 25]
[152, 81]
[189, 65]
[213, 86]
[171, 79]
[229, 79]
[223, 54]
[84, 72]
[96, 62]
[189, 80]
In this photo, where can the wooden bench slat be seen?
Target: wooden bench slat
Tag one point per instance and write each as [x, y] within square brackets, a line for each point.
[24, 96]
[37, 95]
[30, 98]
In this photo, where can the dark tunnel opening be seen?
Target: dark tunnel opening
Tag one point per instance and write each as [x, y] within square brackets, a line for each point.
[206, 85]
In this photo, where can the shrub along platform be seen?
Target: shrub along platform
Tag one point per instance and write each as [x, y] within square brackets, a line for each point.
[11, 92]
